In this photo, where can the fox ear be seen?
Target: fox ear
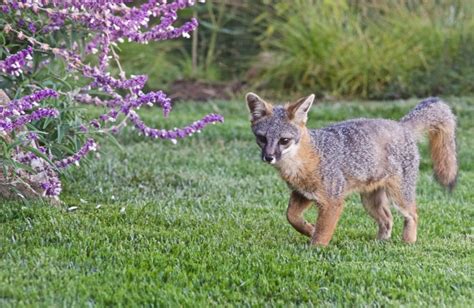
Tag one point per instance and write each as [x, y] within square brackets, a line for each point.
[298, 111]
[258, 107]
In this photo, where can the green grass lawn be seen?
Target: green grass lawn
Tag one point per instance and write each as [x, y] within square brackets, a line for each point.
[203, 222]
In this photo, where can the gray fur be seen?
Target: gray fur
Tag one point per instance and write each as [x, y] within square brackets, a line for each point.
[275, 128]
[429, 114]
[364, 150]
[352, 149]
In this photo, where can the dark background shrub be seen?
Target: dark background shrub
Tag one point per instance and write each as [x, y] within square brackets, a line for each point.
[343, 48]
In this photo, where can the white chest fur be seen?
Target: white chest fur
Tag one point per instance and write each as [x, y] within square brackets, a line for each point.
[309, 195]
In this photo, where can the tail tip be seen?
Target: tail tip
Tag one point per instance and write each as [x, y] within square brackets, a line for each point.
[450, 185]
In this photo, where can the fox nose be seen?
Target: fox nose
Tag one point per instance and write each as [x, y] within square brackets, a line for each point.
[269, 158]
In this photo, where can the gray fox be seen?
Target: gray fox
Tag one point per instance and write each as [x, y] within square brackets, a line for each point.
[376, 157]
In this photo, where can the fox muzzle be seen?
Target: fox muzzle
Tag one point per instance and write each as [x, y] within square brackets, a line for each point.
[268, 158]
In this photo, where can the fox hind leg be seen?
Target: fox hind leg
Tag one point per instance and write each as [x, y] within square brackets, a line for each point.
[403, 197]
[377, 205]
[408, 211]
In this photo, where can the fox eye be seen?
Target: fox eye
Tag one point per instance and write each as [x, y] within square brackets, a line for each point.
[284, 141]
[261, 139]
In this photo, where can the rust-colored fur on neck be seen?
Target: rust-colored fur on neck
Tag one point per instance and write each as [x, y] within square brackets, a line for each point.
[300, 169]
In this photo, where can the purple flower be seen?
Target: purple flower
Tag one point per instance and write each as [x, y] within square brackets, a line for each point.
[90, 145]
[95, 123]
[150, 99]
[32, 27]
[44, 173]
[13, 64]
[87, 99]
[176, 133]
[7, 125]
[52, 186]
[24, 157]
[107, 22]
[32, 136]
[83, 128]
[18, 106]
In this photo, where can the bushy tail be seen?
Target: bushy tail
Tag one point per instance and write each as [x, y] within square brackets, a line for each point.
[435, 117]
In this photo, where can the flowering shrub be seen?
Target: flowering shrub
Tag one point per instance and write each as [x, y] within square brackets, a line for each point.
[57, 55]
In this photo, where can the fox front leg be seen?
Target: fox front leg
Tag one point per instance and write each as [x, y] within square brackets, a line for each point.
[297, 206]
[328, 216]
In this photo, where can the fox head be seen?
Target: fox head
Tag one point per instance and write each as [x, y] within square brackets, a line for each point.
[278, 129]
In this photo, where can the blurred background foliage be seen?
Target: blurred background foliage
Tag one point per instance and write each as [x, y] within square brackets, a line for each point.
[340, 48]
